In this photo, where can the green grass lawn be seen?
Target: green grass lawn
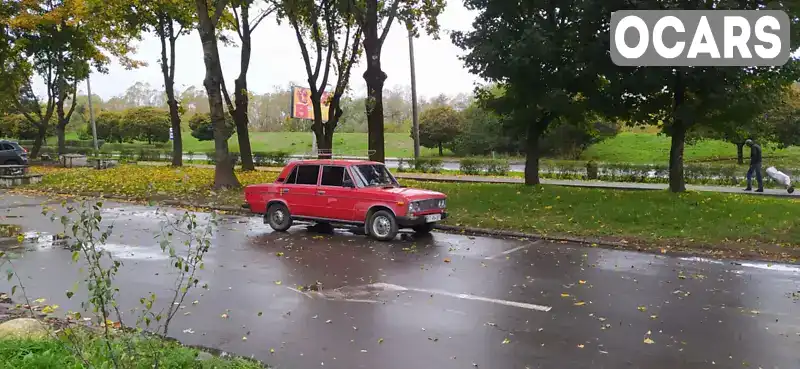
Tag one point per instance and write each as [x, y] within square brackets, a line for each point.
[642, 147]
[707, 221]
[355, 144]
[648, 148]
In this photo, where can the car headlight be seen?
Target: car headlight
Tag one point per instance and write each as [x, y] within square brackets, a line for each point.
[442, 203]
[413, 207]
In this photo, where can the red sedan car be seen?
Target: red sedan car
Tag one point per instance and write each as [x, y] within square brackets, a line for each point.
[348, 192]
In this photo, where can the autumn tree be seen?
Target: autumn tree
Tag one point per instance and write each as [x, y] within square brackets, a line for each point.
[439, 126]
[689, 99]
[168, 20]
[376, 18]
[543, 57]
[208, 17]
[58, 40]
[244, 27]
[335, 36]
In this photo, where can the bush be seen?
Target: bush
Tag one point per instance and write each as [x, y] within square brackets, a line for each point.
[149, 155]
[427, 165]
[203, 129]
[498, 167]
[271, 158]
[471, 166]
[127, 155]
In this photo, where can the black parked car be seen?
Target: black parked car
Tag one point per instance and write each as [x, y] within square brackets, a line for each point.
[11, 153]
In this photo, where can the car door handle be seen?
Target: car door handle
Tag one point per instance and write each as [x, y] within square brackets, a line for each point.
[284, 190]
[320, 192]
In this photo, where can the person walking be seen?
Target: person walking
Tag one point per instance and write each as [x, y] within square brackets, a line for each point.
[755, 166]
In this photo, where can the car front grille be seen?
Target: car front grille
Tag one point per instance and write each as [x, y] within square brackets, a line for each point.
[428, 204]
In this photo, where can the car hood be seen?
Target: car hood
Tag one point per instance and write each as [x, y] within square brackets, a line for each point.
[414, 193]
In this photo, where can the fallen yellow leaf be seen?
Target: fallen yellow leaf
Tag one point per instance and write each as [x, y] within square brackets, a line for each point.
[580, 303]
[564, 295]
[649, 341]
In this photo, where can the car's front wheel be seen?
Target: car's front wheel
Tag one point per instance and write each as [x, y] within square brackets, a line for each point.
[423, 228]
[278, 217]
[382, 225]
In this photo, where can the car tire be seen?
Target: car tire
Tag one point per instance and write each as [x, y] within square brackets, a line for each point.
[423, 229]
[382, 225]
[278, 217]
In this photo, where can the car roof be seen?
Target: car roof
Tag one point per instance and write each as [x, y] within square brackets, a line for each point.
[334, 162]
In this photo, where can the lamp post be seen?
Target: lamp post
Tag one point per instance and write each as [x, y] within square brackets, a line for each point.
[414, 112]
[91, 112]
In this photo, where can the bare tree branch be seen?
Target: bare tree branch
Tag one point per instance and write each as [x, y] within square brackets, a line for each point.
[236, 23]
[257, 20]
[304, 51]
[392, 14]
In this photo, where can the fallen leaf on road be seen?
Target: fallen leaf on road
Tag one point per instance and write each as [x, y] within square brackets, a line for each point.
[642, 308]
[260, 313]
[380, 340]
[328, 321]
[648, 341]
[580, 346]
[653, 316]
[278, 254]
[224, 316]
[756, 312]
[272, 351]
[278, 283]
[506, 341]
[582, 282]
[564, 295]
[195, 302]
[580, 303]
[244, 338]
[188, 331]
[446, 260]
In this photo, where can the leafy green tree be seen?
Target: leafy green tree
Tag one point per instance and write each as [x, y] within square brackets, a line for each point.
[545, 56]
[148, 123]
[783, 119]
[439, 126]
[686, 100]
[203, 129]
[110, 127]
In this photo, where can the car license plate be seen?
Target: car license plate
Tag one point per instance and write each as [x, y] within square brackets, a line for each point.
[433, 218]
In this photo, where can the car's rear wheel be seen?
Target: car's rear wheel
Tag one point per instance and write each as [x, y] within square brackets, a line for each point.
[382, 225]
[278, 217]
[423, 228]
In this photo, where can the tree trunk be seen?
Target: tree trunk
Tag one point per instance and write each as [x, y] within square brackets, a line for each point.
[62, 140]
[168, 71]
[441, 151]
[676, 181]
[532, 154]
[242, 121]
[240, 95]
[740, 153]
[374, 77]
[224, 176]
[40, 136]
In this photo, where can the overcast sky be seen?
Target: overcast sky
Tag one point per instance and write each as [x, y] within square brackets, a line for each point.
[276, 61]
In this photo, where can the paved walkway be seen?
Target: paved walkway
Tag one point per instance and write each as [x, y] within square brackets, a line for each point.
[594, 184]
[558, 182]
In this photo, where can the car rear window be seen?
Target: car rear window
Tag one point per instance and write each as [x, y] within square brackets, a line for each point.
[16, 146]
[333, 176]
[307, 174]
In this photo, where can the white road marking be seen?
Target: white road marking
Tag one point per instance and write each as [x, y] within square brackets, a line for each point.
[524, 305]
[300, 292]
[504, 253]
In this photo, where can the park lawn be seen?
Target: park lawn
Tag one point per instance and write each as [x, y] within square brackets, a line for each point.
[350, 144]
[708, 221]
[648, 148]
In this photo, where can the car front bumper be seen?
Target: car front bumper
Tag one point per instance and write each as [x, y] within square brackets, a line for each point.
[405, 222]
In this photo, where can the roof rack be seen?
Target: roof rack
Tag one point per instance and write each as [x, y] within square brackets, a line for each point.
[329, 154]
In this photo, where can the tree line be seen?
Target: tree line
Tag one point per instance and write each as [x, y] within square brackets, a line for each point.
[62, 41]
[547, 62]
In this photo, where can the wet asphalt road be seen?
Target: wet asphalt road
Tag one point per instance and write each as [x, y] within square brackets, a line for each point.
[445, 301]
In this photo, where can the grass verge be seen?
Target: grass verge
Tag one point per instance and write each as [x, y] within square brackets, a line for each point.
[740, 225]
[50, 353]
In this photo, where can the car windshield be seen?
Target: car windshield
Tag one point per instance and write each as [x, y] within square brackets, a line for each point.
[375, 175]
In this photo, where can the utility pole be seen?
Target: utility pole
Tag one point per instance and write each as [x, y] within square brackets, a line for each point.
[414, 112]
[91, 112]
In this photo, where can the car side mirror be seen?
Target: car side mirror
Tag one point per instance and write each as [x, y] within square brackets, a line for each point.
[348, 183]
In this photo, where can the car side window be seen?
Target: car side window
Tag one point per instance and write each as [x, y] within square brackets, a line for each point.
[5, 147]
[333, 176]
[292, 178]
[307, 174]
